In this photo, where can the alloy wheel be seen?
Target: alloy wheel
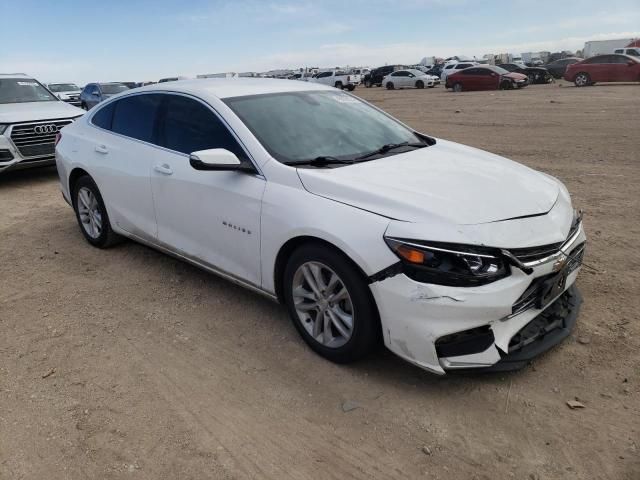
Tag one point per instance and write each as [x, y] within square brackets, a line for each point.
[89, 212]
[323, 304]
[581, 80]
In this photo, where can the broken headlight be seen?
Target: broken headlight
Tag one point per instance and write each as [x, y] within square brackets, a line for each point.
[449, 264]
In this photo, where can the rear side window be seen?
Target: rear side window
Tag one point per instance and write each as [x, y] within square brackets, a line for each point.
[103, 117]
[190, 126]
[135, 116]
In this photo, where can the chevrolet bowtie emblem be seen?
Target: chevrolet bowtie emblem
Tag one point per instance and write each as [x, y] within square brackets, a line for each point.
[560, 263]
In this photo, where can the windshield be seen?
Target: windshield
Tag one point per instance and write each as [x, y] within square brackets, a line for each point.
[63, 87]
[23, 90]
[112, 88]
[300, 126]
[499, 70]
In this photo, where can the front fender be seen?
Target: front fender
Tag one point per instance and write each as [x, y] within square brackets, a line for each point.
[357, 233]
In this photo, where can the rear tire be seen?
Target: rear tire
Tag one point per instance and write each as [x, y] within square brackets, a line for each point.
[367, 84]
[390, 86]
[419, 84]
[457, 87]
[356, 311]
[91, 214]
[351, 88]
[582, 79]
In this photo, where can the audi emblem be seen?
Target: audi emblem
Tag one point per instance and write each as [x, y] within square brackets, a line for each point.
[44, 129]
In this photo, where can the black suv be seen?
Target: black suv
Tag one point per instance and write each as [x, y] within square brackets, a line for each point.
[377, 74]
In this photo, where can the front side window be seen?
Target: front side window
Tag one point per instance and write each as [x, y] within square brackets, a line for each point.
[23, 90]
[190, 126]
[299, 126]
[135, 116]
[113, 88]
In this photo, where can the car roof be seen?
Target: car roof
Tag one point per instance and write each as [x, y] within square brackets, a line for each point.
[15, 75]
[234, 87]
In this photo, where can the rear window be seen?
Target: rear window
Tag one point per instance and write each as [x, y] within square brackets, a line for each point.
[135, 116]
[102, 118]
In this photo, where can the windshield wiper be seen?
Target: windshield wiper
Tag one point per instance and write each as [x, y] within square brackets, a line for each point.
[321, 161]
[391, 146]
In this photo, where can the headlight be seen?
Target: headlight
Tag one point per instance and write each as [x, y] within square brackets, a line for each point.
[3, 127]
[449, 264]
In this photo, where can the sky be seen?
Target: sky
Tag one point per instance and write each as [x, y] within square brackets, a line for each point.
[138, 40]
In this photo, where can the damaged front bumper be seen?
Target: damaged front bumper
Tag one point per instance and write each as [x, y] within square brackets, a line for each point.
[489, 327]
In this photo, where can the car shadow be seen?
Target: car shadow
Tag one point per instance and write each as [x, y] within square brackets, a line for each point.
[27, 177]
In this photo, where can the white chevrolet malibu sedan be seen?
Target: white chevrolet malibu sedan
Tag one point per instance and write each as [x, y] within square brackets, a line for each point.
[366, 229]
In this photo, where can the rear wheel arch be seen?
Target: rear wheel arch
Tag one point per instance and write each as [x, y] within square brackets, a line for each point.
[74, 176]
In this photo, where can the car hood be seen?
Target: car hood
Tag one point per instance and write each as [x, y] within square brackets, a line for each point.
[515, 76]
[34, 111]
[445, 182]
[68, 94]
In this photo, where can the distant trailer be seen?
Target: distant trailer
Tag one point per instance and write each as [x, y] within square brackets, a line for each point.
[219, 75]
[601, 47]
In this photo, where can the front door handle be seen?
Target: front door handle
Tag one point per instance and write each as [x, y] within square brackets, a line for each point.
[164, 169]
[102, 149]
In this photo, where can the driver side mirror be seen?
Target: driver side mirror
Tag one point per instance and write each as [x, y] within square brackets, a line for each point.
[217, 159]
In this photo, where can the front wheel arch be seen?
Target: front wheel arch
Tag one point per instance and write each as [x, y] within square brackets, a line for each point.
[290, 246]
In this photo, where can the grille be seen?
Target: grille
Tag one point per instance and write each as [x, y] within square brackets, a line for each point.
[530, 295]
[538, 253]
[535, 253]
[35, 144]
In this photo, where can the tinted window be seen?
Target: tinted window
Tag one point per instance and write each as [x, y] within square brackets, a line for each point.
[633, 53]
[113, 88]
[463, 65]
[598, 59]
[190, 126]
[102, 118]
[135, 116]
[618, 59]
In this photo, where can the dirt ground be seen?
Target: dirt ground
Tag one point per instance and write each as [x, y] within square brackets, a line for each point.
[126, 363]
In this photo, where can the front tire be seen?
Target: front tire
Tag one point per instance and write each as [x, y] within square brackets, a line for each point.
[457, 87]
[419, 84]
[330, 304]
[91, 214]
[368, 84]
[339, 85]
[582, 79]
[84, 106]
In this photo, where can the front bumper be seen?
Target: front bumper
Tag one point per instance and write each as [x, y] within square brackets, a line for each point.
[10, 158]
[417, 317]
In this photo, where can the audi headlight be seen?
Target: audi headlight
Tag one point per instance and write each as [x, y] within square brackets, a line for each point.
[449, 264]
[3, 127]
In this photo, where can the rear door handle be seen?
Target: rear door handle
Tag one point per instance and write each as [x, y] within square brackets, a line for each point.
[164, 169]
[102, 149]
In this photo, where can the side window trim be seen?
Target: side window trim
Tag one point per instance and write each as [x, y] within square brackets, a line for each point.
[236, 137]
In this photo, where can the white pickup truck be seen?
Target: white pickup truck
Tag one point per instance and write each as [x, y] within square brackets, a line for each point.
[337, 78]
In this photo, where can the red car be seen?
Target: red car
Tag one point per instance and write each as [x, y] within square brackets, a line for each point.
[604, 68]
[485, 77]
